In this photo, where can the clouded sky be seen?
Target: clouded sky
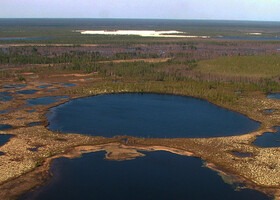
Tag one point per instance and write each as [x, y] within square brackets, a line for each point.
[164, 9]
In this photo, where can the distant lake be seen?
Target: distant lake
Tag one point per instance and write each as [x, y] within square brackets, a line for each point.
[147, 115]
[247, 38]
[26, 38]
[157, 176]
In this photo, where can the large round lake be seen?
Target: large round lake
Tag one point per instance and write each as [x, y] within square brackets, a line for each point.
[147, 115]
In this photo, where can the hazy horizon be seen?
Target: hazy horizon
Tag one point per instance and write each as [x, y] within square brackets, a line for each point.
[237, 10]
[213, 20]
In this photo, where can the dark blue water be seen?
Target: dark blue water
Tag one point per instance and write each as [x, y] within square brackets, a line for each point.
[270, 110]
[31, 111]
[242, 154]
[45, 100]
[158, 175]
[269, 139]
[5, 127]
[44, 86]
[35, 149]
[3, 111]
[147, 115]
[34, 123]
[248, 38]
[67, 84]
[15, 86]
[4, 139]
[19, 39]
[6, 96]
[273, 96]
[27, 91]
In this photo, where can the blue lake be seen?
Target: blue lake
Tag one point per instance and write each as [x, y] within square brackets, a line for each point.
[45, 100]
[158, 175]
[268, 139]
[147, 115]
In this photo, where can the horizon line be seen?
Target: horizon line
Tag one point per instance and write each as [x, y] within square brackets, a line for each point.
[123, 18]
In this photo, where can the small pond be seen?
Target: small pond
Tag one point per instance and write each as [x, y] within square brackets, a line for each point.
[44, 86]
[3, 111]
[15, 86]
[269, 139]
[158, 175]
[6, 96]
[147, 115]
[67, 84]
[4, 139]
[273, 96]
[45, 100]
[34, 123]
[5, 127]
[270, 110]
[27, 91]
[31, 111]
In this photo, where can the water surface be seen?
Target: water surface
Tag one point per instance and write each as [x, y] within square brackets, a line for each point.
[27, 91]
[4, 139]
[248, 38]
[44, 86]
[268, 139]
[6, 96]
[158, 175]
[147, 115]
[32, 38]
[67, 84]
[15, 86]
[5, 127]
[45, 100]
[273, 96]
[34, 123]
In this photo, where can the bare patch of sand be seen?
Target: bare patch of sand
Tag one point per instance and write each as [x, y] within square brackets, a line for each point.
[142, 33]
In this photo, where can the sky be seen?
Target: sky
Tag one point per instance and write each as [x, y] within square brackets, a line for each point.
[260, 10]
